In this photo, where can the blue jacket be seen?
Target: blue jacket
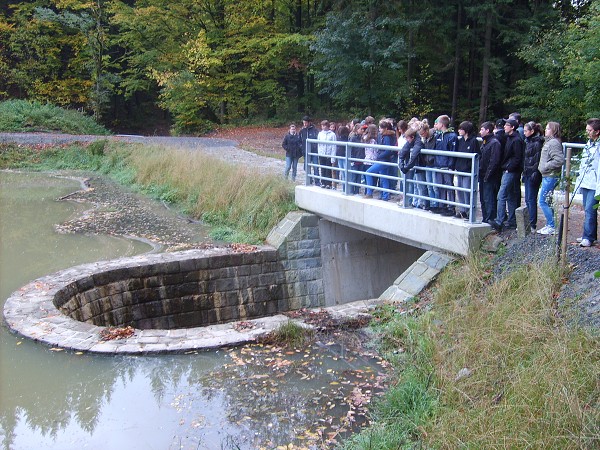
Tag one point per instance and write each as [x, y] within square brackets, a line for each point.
[445, 140]
[391, 155]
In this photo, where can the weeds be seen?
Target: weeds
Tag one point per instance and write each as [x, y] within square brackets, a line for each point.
[290, 334]
[490, 366]
[27, 116]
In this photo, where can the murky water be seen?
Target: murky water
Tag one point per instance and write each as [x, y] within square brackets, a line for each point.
[241, 398]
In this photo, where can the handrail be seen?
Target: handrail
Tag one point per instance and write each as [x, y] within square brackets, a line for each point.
[408, 196]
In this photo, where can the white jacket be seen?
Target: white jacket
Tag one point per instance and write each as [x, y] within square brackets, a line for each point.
[325, 149]
[588, 168]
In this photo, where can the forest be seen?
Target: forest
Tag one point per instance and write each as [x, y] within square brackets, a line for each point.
[188, 66]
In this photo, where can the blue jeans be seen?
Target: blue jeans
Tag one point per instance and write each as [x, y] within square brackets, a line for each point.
[422, 189]
[432, 191]
[463, 197]
[508, 199]
[341, 163]
[445, 194]
[488, 196]
[355, 177]
[314, 159]
[546, 193]
[532, 187]
[293, 164]
[590, 221]
[379, 169]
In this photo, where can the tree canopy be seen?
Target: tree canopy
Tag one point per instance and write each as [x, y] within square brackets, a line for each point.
[207, 62]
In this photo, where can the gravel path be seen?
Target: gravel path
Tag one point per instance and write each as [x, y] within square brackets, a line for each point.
[120, 212]
[225, 149]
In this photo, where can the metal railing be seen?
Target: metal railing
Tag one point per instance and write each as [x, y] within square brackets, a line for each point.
[409, 186]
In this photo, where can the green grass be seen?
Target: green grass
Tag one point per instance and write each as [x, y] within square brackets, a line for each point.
[532, 383]
[28, 116]
[290, 334]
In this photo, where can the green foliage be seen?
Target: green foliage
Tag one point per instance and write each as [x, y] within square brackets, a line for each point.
[24, 116]
[564, 87]
[360, 59]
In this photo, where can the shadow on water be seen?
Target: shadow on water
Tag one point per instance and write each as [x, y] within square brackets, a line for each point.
[232, 398]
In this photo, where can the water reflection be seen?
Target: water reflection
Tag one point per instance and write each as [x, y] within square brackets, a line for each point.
[238, 398]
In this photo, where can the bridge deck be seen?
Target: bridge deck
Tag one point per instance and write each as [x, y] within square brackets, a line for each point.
[411, 226]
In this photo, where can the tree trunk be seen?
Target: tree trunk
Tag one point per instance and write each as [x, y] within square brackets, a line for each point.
[456, 62]
[485, 76]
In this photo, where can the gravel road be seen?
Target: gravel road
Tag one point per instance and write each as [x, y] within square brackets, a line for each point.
[225, 149]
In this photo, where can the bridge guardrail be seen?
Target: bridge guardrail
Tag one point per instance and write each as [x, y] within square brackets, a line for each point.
[311, 159]
[409, 186]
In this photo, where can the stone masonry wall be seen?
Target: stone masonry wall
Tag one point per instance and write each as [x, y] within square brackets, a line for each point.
[192, 291]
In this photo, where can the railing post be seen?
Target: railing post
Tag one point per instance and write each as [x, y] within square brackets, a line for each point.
[346, 174]
[306, 165]
[474, 181]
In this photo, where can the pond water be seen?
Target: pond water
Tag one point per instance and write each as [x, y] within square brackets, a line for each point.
[244, 398]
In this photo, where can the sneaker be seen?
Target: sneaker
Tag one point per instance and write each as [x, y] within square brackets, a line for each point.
[448, 212]
[585, 243]
[546, 230]
[579, 240]
[495, 225]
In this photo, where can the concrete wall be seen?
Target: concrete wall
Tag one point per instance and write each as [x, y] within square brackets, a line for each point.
[412, 226]
[359, 265]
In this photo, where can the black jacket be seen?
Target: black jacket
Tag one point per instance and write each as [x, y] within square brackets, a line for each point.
[409, 155]
[469, 145]
[533, 150]
[292, 143]
[514, 151]
[491, 156]
[310, 132]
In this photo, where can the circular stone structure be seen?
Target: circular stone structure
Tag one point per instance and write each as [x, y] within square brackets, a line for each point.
[175, 302]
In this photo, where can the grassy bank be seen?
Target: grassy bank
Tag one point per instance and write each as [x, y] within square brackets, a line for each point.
[240, 204]
[488, 366]
[27, 116]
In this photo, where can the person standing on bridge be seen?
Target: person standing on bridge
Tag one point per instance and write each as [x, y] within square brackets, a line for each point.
[489, 171]
[509, 195]
[588, 182]
[466, 143]
[532, 178]
[325, 152]
[551, 162]
[445, 139]
[309, 131]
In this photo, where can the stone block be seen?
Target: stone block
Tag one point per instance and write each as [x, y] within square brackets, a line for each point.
[522, 217]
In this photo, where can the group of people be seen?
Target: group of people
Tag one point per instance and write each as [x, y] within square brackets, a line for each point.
[509, 153]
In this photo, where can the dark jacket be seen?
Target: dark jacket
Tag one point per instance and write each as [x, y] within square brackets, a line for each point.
[445, 140]
[388, 155]
[292, 143]
[310, 132]
[356, 152]
[469, 145]
[491, 157]
[409, 155]
[514, 150]
[427, 160]
[533, 150]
